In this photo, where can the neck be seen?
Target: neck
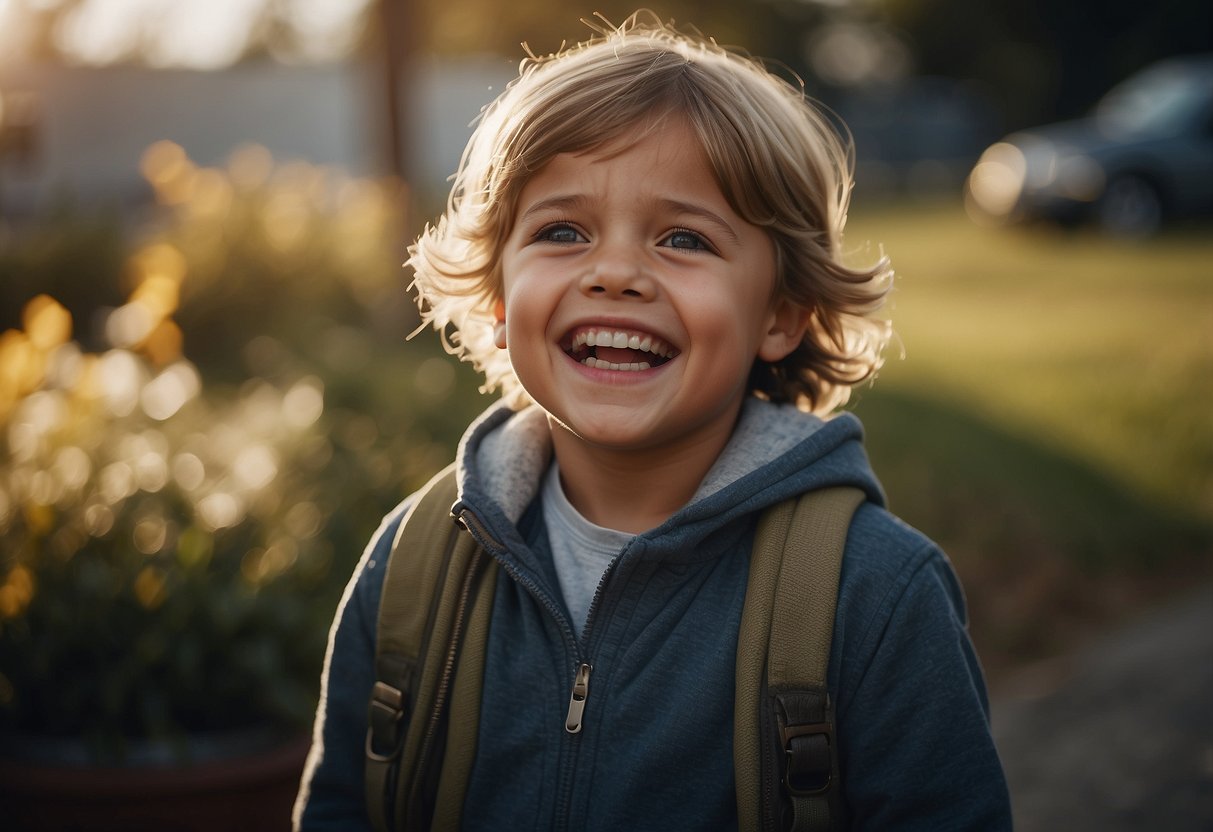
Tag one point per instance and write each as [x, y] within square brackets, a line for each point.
[634, 490]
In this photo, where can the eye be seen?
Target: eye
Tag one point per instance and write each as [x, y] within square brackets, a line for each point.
[559, 232]
[687, 240]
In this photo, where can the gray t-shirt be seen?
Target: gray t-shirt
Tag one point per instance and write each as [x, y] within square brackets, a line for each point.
[581, 551]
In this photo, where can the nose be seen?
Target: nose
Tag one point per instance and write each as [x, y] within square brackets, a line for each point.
[618, 271]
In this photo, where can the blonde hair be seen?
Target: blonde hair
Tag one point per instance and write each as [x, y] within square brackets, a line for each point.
[777, 161]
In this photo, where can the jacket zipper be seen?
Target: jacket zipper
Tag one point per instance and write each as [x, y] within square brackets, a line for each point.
[581, 680]
[472, 523]
[581, 690]
[581, 676]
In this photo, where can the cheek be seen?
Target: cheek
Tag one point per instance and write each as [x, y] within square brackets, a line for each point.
[517, 288]
[503, 275]
[739, 313]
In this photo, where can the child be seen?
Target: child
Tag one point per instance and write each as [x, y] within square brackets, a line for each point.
[642, 250]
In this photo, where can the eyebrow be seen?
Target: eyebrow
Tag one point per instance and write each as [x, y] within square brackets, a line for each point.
[555, 203]
[576, 201]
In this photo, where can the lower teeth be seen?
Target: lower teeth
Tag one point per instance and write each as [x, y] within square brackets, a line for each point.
[598, 364]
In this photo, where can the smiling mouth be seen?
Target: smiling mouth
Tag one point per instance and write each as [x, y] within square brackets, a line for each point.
[617, 349]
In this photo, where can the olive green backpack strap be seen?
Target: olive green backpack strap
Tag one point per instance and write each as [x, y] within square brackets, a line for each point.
[784, 750]
[429, 662]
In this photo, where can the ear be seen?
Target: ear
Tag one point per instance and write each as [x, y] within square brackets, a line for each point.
[499, 324]
[786, 326]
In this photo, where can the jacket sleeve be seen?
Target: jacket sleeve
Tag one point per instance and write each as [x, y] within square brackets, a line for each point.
[331, 795]
[915, 745]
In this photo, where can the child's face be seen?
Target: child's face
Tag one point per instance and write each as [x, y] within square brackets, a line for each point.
[637, 248]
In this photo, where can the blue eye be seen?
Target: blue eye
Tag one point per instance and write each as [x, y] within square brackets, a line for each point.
[688, 240]
[560, 233]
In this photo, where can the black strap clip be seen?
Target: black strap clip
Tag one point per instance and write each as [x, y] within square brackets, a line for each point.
[808, 745]
[385, 736]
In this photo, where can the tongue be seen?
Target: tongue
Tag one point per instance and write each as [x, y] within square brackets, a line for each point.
[621, 356]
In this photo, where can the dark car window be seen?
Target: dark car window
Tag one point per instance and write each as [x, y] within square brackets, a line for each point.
[1168, 100]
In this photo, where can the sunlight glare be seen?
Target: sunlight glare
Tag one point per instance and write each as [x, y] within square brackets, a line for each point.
[998, 179]
[103, 31]
[161, 260]
[250, 166]
[197, 34]
[303, 403]
[158, 294]
[98, 519]
[117, 482]
[219, 511]
[40, 414]
[285, 220]
[189, 472]
[169, 171]
[151, 472]
[168, 392]
[255, 467]
[47, 323]
[121, 377]
[164, 343]
[202, 34]
[212, 194]
[72, 467]
[65, 366]
[129, 325]
[323, 29]
[21, 365]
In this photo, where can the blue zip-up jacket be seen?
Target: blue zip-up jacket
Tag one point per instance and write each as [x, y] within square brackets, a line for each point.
[655, 749]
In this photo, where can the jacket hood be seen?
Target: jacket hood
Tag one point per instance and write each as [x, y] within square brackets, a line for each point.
[776, 452]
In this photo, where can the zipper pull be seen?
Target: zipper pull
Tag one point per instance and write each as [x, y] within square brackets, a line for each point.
[581, 689]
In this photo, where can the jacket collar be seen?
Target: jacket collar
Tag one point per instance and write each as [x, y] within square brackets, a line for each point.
[776, 452]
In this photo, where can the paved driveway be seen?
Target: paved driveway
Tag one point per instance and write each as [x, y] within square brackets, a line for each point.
[1120, 737]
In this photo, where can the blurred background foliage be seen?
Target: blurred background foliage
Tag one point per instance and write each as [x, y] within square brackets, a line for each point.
[191, 472]
[208, 401]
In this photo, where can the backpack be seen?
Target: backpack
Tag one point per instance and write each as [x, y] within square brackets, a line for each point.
[433, 626]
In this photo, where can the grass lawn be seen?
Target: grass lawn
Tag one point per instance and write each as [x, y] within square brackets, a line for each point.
[1046, 414]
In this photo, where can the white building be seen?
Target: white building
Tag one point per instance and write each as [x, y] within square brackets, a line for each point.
[82, 131]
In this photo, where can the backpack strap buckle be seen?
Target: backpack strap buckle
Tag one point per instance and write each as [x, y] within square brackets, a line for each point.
[385, 735]
[806, 734]
[808, 752]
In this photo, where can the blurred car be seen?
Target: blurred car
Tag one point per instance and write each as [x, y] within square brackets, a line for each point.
[1144, 156]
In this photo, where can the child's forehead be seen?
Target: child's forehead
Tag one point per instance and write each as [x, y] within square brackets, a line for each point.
[633, 158]
[674, 132]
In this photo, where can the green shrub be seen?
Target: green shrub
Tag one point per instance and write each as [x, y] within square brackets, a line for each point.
[175, 533]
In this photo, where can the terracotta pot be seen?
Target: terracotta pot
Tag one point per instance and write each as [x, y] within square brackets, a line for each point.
[248, 791]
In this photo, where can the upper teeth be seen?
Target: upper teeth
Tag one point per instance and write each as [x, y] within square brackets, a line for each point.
[622, 340]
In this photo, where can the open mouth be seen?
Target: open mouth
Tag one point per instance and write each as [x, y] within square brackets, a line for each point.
[616, 349]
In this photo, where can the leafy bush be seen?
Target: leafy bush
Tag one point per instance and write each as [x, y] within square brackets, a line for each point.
[161, 552]
[175, 533]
